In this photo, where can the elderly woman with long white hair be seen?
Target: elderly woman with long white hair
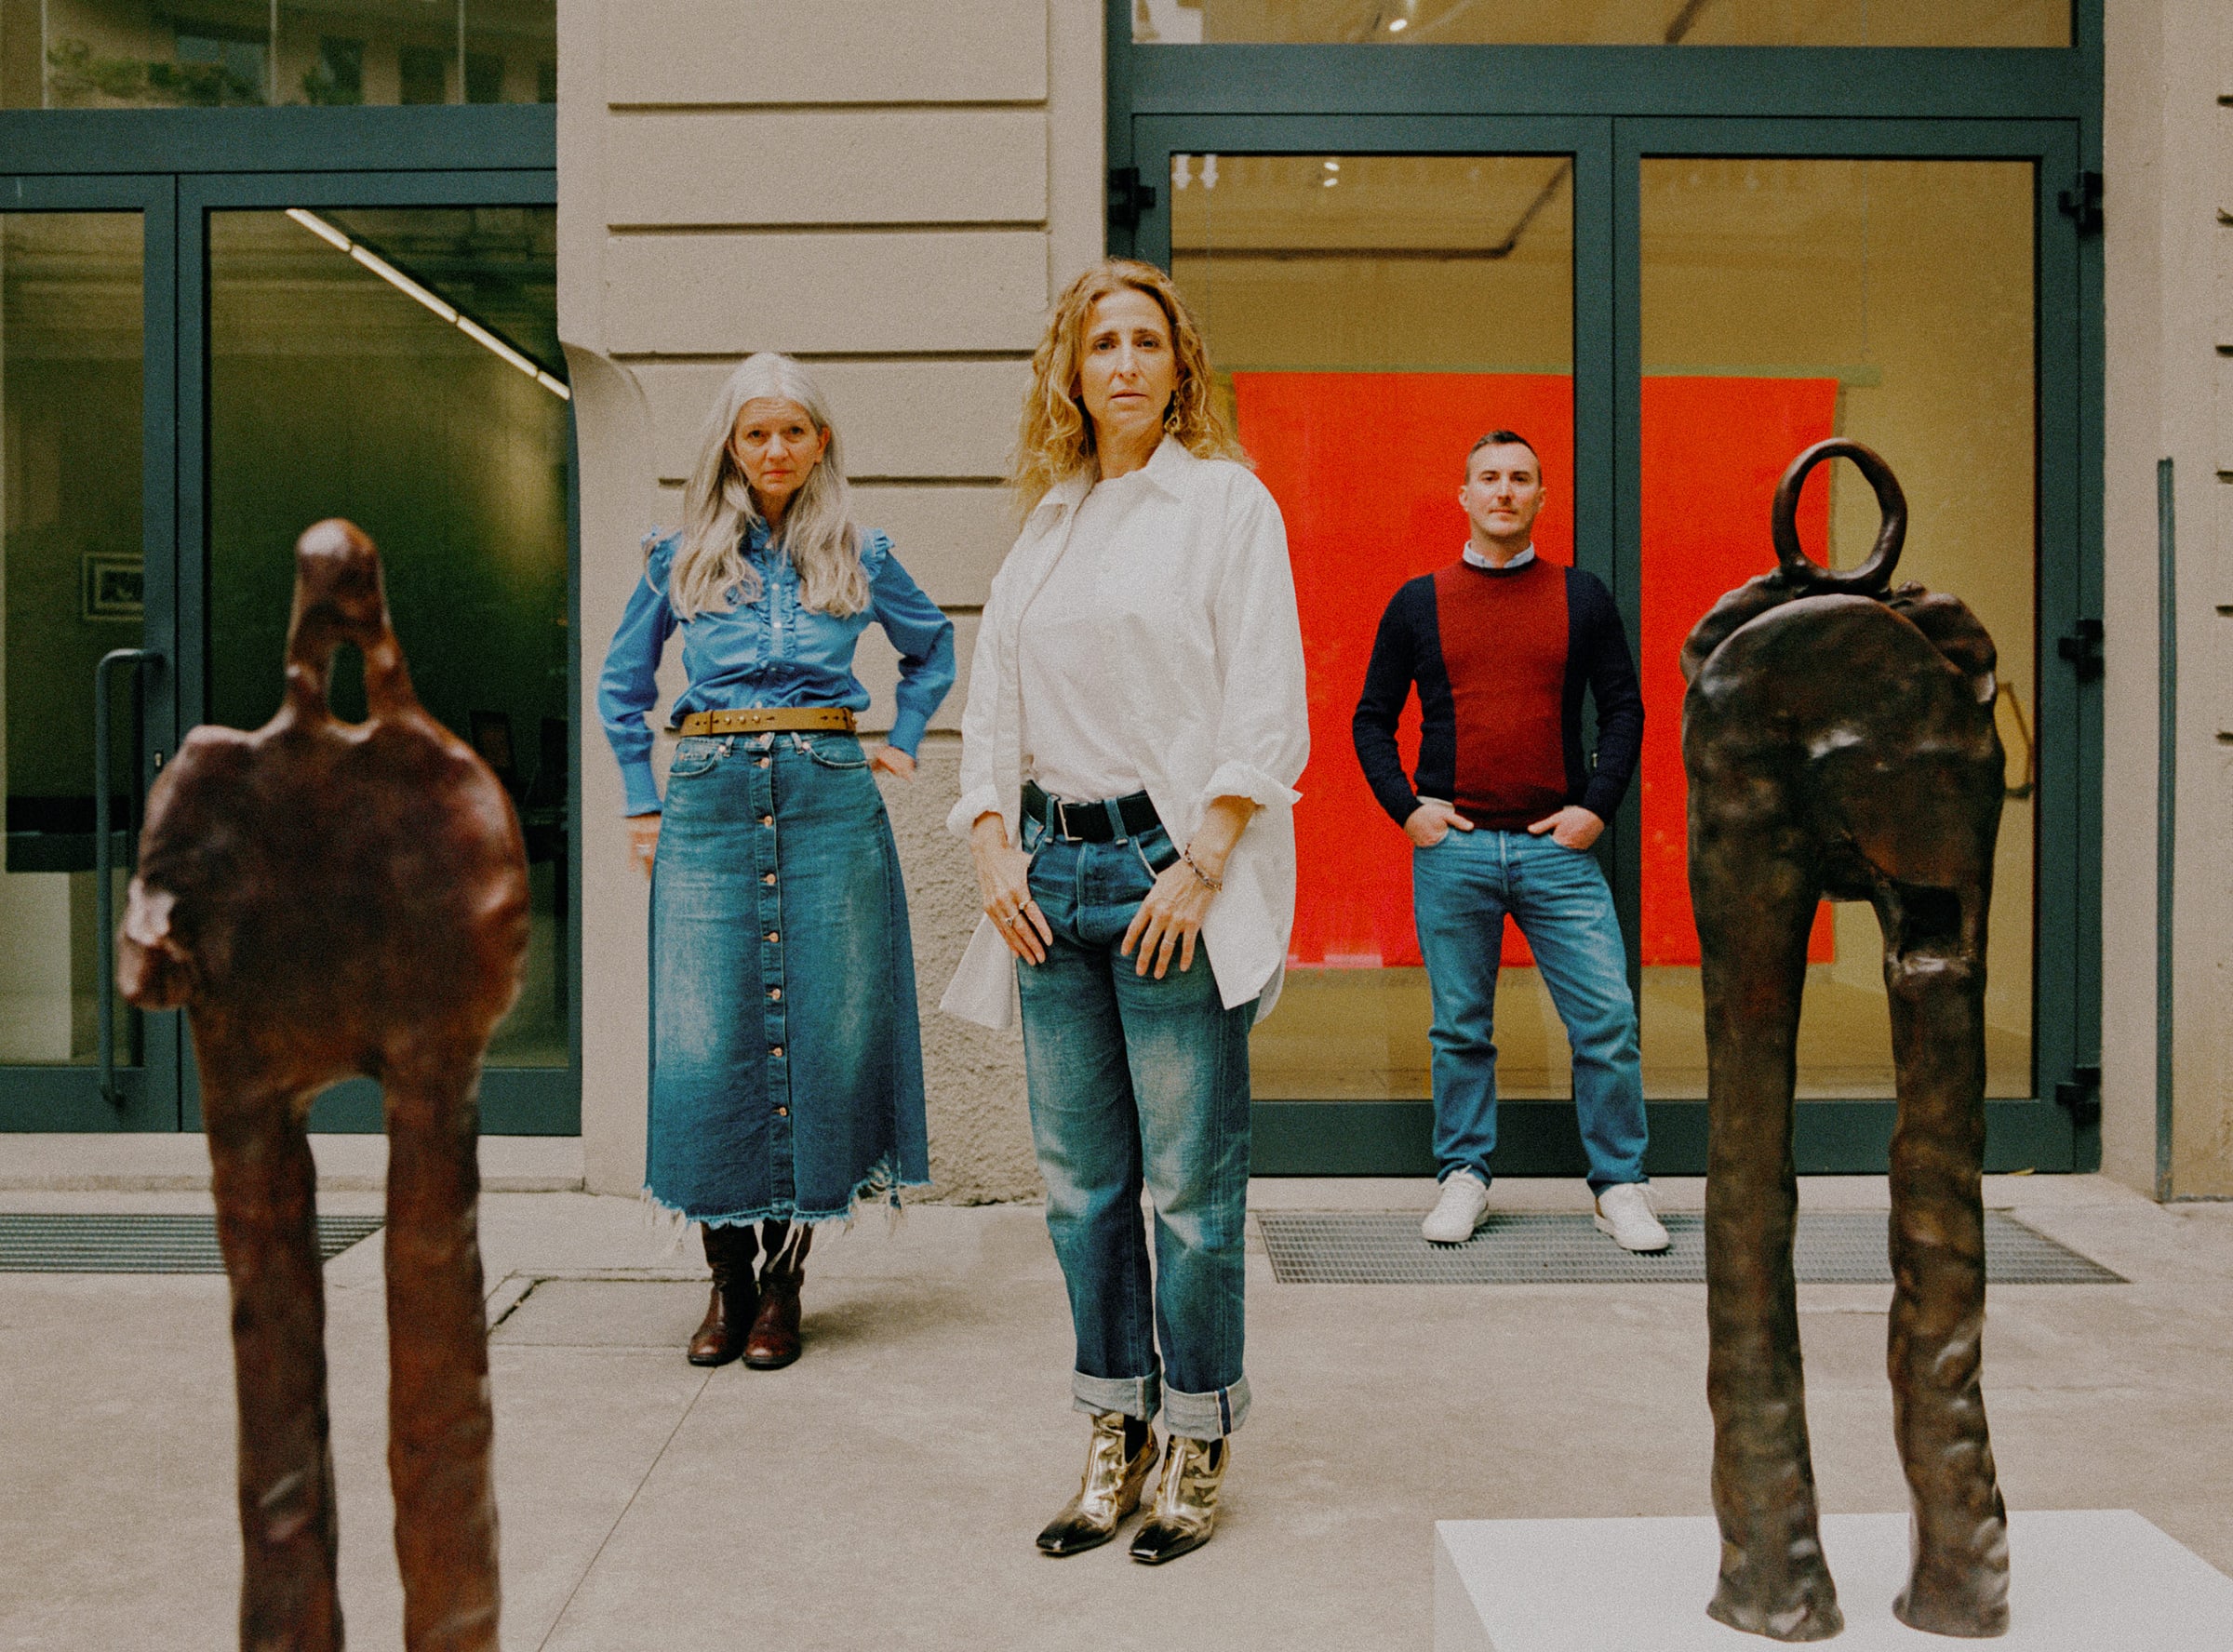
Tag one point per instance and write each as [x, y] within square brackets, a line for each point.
[1136, 725]
[786, 1060]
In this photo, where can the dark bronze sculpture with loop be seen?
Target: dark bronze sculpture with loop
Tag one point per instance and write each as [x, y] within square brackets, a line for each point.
[1839, 740]
[325, 900]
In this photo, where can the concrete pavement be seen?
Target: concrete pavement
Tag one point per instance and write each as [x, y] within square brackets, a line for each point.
[884, 1490]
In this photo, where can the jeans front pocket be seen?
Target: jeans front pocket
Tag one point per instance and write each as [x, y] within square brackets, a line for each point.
[1154, 852]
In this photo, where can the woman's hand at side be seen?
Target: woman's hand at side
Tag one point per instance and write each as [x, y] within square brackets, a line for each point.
[643, 841]
[1004, 875]
[1172, 916]
[890, 760]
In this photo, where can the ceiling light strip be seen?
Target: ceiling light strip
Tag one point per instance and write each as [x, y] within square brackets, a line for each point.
[434, 301]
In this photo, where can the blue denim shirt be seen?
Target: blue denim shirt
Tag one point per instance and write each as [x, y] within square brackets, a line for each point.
[772, 651]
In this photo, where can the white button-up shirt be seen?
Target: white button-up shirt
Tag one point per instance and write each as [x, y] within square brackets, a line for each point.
[1202, 651]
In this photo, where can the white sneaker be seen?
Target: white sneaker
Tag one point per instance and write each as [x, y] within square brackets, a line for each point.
[1460, 1210]
[1625, 1211]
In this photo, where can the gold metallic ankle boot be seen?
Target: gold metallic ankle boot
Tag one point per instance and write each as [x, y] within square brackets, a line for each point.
[1110, 1490]
[1185, 1499]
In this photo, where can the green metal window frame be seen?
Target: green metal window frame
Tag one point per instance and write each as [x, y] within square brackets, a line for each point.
[1610, 107]
[175, 166]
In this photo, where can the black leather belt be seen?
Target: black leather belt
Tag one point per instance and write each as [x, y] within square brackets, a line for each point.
[1091, 822]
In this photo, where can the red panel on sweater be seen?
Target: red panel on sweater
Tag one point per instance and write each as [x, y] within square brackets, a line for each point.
[1503, 645]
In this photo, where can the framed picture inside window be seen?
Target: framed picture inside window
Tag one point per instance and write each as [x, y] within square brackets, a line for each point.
[110, 587]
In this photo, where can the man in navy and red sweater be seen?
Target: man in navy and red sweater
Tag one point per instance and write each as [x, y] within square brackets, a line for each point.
[1502, 813]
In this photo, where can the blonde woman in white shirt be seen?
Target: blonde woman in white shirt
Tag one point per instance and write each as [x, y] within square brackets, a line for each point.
[1136, 725]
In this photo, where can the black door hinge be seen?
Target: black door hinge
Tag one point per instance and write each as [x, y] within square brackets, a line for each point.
[2084, 203]
[2082, 648]
[2080, 1096]
[1127, 198]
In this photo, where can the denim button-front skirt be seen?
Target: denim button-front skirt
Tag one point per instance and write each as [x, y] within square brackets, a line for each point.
[786, 1057]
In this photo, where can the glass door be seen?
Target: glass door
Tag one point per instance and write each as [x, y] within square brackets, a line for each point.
[385, 349]
[1912, 290]
[84, 532]
[380, 346]
[1670, 310]
[1392, 289]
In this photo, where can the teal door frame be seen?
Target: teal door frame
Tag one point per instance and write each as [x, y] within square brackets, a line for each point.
[175, 166]
[146, 1094]
[1610, 108]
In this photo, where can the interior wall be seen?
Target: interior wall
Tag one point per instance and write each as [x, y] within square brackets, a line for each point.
[893, 192]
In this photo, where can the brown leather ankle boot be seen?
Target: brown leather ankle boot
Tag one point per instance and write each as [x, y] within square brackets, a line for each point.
[729, 1310]
[774, 1339]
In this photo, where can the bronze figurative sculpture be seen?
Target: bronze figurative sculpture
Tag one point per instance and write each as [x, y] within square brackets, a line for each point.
[1840, 744]
[325, 900]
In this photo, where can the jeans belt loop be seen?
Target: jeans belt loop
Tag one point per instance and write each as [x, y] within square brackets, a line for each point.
[1116, 816]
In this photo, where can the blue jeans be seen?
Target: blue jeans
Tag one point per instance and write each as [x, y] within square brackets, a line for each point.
[1461, 890]
[1133, 1082]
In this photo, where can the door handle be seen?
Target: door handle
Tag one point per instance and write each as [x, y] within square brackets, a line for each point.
[104, 896]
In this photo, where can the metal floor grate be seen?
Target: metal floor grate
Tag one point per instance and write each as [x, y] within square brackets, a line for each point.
[52, 1243]
[1842, 1248]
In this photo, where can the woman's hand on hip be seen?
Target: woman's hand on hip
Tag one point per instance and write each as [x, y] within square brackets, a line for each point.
[643, 841]
[1004, 876]
[890, 760]
[1169, 919]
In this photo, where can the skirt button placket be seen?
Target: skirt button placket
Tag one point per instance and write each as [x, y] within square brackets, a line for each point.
[769, 844]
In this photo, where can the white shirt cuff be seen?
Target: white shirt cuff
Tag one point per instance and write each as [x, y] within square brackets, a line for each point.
[1245, 779]
[984, 800]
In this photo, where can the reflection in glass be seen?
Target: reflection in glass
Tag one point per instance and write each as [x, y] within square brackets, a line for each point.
[1368, 315]
[1786, 301]
[127, 54]
[71, 326]
[1603, 22]
[334, 390]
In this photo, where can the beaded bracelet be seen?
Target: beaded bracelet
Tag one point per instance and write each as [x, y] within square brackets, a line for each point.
[1215, 885]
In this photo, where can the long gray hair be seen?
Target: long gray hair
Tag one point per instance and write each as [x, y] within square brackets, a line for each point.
[710, 568]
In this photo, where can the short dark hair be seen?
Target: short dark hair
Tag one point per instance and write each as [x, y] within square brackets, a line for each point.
[1500, 438]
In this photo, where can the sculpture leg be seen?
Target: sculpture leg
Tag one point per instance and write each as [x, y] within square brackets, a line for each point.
[1934, 971]
[438, 1416]
[1753, 908]
[266, 1191]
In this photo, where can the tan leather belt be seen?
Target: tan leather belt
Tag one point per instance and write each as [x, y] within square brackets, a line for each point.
[765, 720]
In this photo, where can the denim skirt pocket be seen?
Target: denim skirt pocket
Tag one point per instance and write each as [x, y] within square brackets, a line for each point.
[696, 753]
[834, 750]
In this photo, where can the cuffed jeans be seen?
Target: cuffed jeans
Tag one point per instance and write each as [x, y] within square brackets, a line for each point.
[1135, 1081]
[1461, 888]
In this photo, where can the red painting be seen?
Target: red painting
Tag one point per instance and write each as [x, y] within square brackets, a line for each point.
[1366, 468]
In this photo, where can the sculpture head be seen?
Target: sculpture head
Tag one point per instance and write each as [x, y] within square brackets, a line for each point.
[339, 597]
[1952, 628]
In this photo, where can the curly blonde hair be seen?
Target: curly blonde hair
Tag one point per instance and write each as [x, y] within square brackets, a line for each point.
[1056, 439]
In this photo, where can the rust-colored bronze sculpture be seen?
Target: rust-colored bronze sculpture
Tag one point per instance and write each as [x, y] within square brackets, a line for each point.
[327, 899]
[1839, 743]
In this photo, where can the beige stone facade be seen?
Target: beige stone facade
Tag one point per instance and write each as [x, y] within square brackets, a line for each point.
[892, 192]
[2168, 163]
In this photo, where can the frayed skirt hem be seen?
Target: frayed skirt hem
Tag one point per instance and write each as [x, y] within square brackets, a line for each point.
[880, 1186]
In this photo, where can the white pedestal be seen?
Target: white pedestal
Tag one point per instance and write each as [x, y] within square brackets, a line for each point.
[2085, 1580]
